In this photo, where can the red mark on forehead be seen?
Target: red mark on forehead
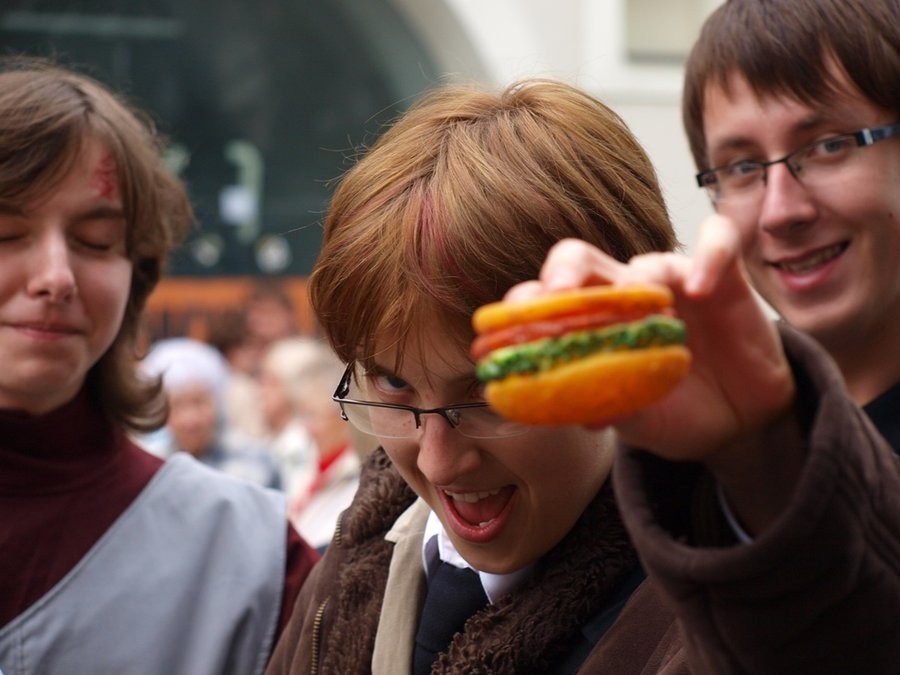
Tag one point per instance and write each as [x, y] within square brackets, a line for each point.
[105, 179]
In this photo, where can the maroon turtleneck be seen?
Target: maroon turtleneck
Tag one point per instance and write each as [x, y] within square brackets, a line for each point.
[64, 479]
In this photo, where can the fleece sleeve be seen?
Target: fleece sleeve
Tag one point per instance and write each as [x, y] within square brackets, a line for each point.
[819, 590]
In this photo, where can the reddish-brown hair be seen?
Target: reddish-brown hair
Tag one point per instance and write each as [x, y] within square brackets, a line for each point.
[463, 197]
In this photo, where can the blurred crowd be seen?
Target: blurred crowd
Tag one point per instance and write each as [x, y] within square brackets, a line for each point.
[254, 400]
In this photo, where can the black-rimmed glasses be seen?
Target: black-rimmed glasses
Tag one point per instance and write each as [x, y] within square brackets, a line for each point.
[809, 164]
[391, 420]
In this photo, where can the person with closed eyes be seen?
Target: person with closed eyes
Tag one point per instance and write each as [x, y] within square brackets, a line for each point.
[111, 560]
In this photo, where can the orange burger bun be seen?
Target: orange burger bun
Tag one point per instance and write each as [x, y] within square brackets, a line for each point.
[584, 356]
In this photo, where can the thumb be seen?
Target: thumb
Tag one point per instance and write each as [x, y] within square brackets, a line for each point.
[718, 248]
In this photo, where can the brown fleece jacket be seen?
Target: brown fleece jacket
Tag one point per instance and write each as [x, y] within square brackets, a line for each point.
[817, 592]
[527, 631]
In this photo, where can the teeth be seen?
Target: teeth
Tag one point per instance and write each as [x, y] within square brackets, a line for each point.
[486, 522]
[471, 497]
[813, 261]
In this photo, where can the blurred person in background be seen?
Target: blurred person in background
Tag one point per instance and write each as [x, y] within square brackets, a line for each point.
[111, 560]
[315, 512]
[243, 336]
[270, 314]
[228, 333]
[195, 379]
[281, 371]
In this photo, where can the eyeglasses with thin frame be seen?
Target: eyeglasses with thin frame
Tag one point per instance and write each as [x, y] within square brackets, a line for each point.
[392, 420]
[808, 164]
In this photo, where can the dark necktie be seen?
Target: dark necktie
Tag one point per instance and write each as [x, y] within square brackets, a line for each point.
[453, 595]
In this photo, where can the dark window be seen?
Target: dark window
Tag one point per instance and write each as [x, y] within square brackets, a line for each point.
[264, 101]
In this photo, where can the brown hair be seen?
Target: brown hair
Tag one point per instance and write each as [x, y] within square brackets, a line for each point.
[462, 198]
[788, 47]
[47, 113]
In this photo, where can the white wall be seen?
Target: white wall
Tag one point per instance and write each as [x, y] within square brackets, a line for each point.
[584, 42]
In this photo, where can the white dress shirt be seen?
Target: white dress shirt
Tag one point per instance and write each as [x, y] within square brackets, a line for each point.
[436, 546]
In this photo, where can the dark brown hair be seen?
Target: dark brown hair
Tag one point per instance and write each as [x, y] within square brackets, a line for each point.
[790, 47]
[47, 114]
[463, 197]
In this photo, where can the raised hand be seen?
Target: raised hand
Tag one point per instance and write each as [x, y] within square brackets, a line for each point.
[739, 384]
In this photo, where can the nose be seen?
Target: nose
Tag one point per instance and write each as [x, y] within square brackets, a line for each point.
[444, 453]
[786, 204]
[51, 275]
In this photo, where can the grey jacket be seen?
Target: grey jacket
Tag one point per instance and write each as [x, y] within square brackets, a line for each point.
[188, 580]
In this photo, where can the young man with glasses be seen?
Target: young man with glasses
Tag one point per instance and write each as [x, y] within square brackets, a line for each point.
[111, 560]
[792, 109]
[458, 201]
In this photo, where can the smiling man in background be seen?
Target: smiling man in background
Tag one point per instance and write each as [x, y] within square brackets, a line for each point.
[792, 112]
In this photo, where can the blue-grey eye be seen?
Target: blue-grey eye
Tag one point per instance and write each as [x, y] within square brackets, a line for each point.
[389, 384]
[743, 168]
[832, 147]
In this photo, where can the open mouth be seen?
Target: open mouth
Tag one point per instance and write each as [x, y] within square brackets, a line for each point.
[480, 509]
[812, 261]
[478, 516]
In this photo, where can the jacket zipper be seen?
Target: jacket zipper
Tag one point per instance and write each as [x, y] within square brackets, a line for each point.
[336, 539]
[317, 638]
[320, 613]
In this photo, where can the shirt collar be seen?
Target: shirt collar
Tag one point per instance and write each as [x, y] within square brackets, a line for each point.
[436, 547]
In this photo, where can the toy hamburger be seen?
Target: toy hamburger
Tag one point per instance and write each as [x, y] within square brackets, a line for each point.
[584, 356]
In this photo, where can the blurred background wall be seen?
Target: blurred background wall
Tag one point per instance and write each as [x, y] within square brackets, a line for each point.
[630, 53]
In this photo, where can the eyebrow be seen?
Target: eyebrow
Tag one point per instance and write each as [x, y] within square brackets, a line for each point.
[731, 143]
[740, 142]
[458, 380]
[100, 213]
[375, 368]
[92, 213]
